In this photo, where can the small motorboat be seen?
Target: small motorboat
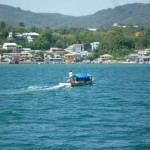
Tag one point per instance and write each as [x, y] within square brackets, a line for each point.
[79, 79]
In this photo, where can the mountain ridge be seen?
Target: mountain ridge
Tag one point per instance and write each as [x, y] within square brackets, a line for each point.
[136, 13]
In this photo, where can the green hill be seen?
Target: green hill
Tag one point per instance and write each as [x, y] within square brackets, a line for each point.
[128, 14]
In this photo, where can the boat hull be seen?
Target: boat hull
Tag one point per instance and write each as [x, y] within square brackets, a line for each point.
[76, 84]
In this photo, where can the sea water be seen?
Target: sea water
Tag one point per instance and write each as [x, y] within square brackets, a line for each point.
[36, 112]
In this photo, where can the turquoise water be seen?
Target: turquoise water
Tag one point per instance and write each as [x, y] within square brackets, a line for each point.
[37, 113]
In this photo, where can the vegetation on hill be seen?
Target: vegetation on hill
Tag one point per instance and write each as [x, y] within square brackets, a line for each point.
[117, 41]
[128, 14]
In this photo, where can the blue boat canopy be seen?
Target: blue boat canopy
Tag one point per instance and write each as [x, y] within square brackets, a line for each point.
[82, 75]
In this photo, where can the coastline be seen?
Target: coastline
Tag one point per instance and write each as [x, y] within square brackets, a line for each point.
[112, 62]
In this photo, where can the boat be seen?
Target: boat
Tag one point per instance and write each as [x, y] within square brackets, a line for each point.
[13, 61]
[79, 79]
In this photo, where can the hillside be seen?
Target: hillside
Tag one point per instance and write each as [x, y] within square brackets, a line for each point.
[136, 13]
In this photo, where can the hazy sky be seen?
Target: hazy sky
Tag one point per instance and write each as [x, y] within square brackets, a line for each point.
[68, 7]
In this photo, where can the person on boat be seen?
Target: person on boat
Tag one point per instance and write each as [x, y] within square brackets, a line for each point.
[70, 75]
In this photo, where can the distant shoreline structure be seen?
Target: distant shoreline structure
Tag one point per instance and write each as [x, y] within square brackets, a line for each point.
[113, 62]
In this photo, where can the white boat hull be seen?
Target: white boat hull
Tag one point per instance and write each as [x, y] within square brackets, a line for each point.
[65, 84]
[75, 83]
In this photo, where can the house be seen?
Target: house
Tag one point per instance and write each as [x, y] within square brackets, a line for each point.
[18, 48]
[30, 36]
[144, 59]
[106, 57]
[138, 34]
[53, 59]
[132, 58]
[144, 55]
[25, 55]
[94, 45]
[10, 36]
[56, 50]
[12, 46]
[77, 57]
[78, 52]
[73, 57]
[143, 52]
[87, 47]
[69, 58]
[9, 46]
[26, 50]
[75, 48]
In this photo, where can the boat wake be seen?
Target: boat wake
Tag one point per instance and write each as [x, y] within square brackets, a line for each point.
[31, 89]
[44, 88]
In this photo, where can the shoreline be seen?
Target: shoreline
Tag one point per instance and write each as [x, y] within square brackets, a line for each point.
[41, 63]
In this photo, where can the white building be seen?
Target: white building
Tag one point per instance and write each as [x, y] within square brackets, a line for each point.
[30, 36]
[143, 52]
[12, 46]
[9, 46]
[92, 29]
[115, 24]
[10, 35]
[78, 48]
[94, 45]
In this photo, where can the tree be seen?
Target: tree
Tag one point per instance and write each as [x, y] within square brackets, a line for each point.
[91, 57]
[21, 27]
[2, 25]
[21, 24]
[35, 29]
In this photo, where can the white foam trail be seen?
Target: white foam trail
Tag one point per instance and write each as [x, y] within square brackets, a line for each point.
[31, 89]
[57, 86]
[44, 88]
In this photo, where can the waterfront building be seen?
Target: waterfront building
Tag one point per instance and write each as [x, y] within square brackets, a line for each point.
[69, 58]
[143, 52]
[106, 57]
[73, 57]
